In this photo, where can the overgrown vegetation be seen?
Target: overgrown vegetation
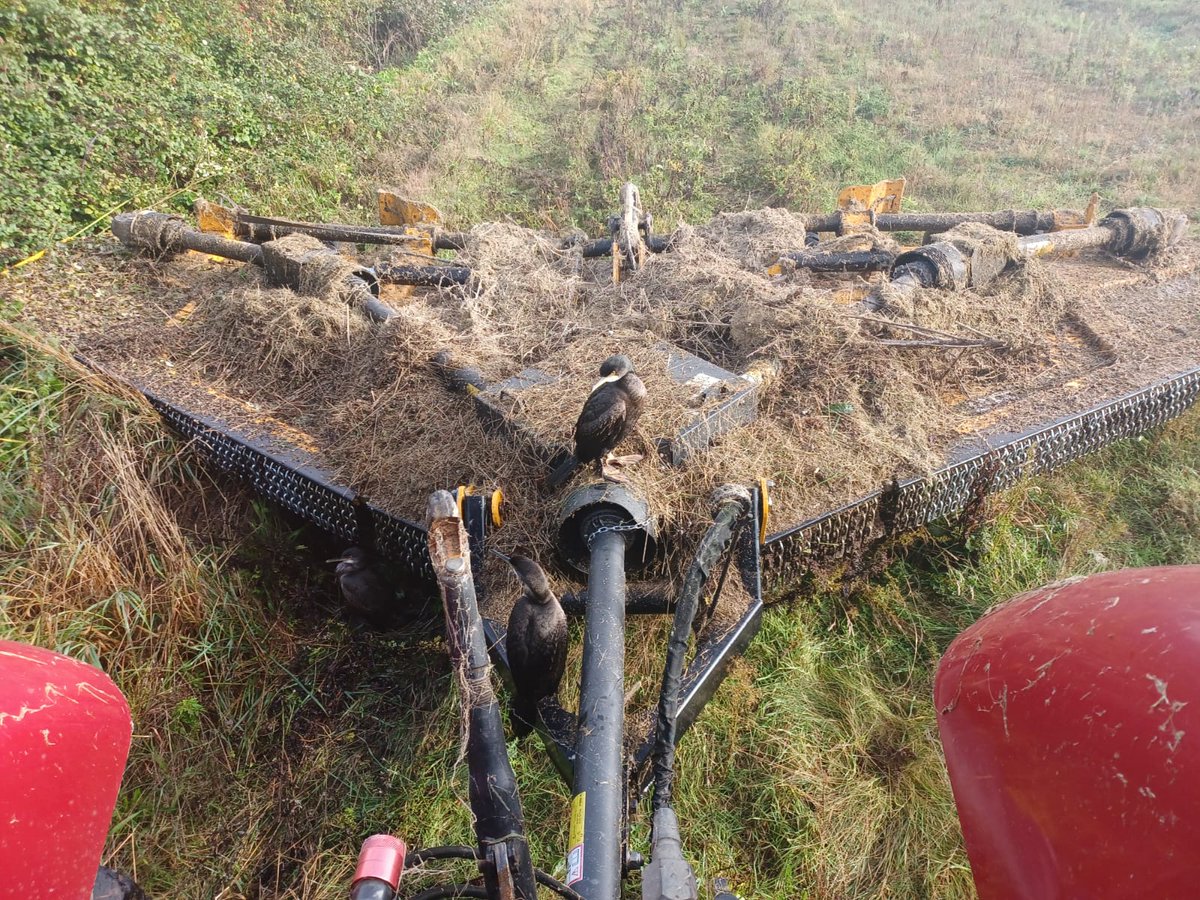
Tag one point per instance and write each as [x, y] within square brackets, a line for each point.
[272, 734]
[116, 104]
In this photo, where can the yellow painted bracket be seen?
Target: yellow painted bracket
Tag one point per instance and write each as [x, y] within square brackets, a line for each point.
[1068, 219]
[397, 210]
[496, 505]
[764, 508]
[214, 218]
[495, 502]
[859, 203]
[461, 493]
[422, 240]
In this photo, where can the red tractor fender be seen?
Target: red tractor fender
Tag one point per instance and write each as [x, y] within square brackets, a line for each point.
[1070, 719]
[64, 737]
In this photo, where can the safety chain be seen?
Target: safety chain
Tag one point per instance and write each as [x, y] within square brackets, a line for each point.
[604, 529]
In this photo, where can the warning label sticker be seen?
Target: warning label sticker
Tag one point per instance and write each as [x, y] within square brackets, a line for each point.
[575, 864]
[575, 840]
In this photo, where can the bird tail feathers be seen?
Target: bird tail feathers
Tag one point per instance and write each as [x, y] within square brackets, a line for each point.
[564, 471]
[523, 714]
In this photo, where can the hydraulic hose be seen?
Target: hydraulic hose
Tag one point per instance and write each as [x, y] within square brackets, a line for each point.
[732, 502]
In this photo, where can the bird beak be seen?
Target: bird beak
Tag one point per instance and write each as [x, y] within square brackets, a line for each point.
[337, 560]
[507, 559]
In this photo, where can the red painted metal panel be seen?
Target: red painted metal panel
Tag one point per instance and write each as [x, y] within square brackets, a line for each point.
[1070, 718]
[64, 736]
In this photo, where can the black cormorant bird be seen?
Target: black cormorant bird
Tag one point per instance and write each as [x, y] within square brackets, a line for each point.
[609, 414]
[366, 590]
[536, 643]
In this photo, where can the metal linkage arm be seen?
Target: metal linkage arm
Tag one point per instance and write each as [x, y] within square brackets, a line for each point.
[495, 803]
[669, 876]
[851, 261]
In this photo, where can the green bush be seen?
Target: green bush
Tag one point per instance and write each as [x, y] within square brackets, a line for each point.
[114, 103]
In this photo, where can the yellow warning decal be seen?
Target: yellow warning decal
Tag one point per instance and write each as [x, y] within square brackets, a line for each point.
[575, 853]
[578, 812]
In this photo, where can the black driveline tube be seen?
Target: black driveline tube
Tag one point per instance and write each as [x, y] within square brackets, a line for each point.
[603, 246]
[849, 261]
[422, 276]
[594, 863]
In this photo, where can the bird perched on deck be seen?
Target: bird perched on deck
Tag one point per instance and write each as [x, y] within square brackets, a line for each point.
[609, 414]
[536, 643]
[366, 590]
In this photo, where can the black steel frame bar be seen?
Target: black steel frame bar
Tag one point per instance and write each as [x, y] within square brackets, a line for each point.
[301, 488]
[999, 464]
[308, 492]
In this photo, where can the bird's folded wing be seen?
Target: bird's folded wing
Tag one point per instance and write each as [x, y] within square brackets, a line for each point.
[603, 418]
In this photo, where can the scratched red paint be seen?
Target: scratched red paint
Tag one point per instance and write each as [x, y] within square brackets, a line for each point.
[1070, 718]
[64, 736]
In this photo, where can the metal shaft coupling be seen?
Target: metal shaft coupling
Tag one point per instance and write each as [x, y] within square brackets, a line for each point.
[600, 507]
[153, 232]
[940, 265]
[1143, 230]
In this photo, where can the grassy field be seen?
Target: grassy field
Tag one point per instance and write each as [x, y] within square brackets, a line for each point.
[271, 735]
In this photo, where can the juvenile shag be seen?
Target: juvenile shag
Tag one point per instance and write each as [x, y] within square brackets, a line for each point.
[366, 590]
[609, 414]
[536, 643]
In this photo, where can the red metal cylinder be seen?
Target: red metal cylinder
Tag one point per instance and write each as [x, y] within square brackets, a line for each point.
[1070, 718]
[382, 858]
[64, 737]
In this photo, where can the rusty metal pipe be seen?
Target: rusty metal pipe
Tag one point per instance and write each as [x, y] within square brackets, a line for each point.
[216, 245]
[1131, 233]
[1066, 241]
[1020, 221]
[1134, 232]
[161, 233]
